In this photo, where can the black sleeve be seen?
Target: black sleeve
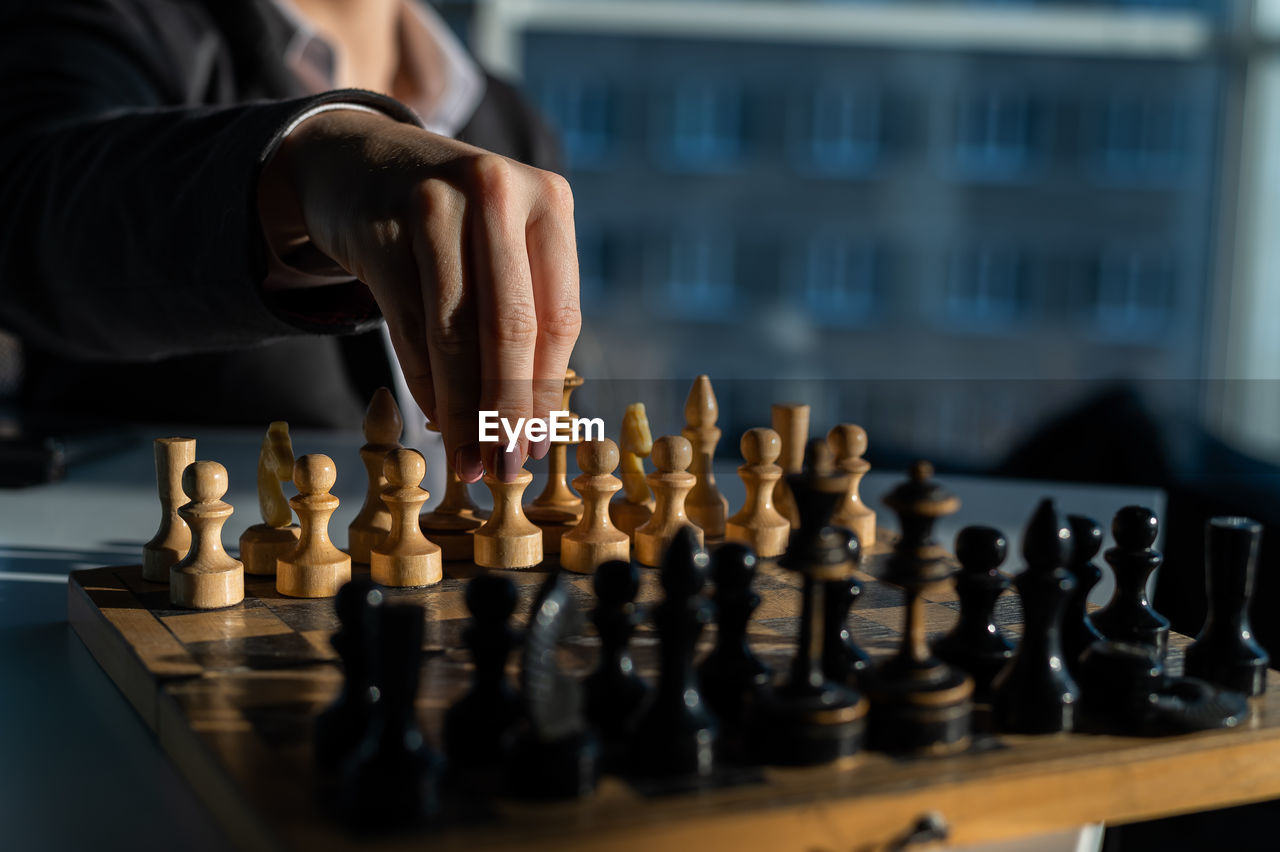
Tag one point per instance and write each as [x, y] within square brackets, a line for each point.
[128, 225]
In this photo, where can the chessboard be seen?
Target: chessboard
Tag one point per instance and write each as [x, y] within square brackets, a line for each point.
[232, 694]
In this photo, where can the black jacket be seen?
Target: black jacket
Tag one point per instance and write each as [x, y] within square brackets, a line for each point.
[131, 259]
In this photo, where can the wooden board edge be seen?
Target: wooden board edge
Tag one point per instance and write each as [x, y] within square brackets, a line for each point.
[111, 650]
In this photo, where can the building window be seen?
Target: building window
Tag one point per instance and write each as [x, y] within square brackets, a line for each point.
[703, 130]
[593, 268]
[1142, 137]
[1133, 294]
[583, 112]
[840, 279]
[695, 276]
[996, 133]
[843, 130]
[986, 289]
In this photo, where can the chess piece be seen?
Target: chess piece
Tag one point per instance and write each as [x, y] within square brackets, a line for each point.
[207, 577]
[556, 756]
[1034, 693]
[1225, 653]
[1129, 617]
[508, 539]
[635, 443]
[791, 422]
[343, 724]
[976, 644]
[676, 735]
[391, 778]
[315, 568]
[920, 703]
[1124, 689]
[758, 523]
[453, 523]
[849, 443]
[405, 557]
[594, 540]
[173, 538]
[670, 483]
[706, 506]
[382, 429]
[614, 691]
[1078, 632]
[479, 728]
[843, 661]
[262, 544]
[731, 672]
[557, 509]
[810, 719]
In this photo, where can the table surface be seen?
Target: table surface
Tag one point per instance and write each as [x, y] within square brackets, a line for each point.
[73, 737]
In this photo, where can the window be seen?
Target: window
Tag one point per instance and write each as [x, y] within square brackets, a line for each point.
[1142, 137]
[583, 112]
[695, 276]
[843, 130]
[995, 133]
[840, 279]
[986, 288]
[1133, 294]
[704, 127]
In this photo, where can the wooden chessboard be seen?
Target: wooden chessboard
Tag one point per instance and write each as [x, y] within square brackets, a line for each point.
[231, 695]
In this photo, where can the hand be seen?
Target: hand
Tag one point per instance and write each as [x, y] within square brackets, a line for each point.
[470, 256]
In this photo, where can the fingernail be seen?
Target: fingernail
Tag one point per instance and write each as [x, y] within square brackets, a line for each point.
[467, 464]
[539, 448]
[509, 463]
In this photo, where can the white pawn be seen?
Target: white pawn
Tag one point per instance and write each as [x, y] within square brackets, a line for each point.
[759, 524]
[207, 577]
[595, 540]
[315, 568]
[405, 557]
[671, 483]
[848, 442]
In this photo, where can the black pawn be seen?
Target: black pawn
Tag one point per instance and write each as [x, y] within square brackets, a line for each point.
[1225, 652]
[731, 672]
[1128, 617]
[344, 723]
[676, 735]
[1034, 693]
[478, 729]
[615, 692]
[390, 780]
[976, 644]
[842, 660]
[1078, 632]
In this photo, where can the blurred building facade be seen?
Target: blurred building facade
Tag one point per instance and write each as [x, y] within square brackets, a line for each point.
[943, 221]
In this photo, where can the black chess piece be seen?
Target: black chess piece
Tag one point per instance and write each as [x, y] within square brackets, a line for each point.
[732, 672]
[976, 644]
[1034, 693]
[1128, 617]
[556, 755]
[391, 778]
[676, 734]
[810, 719]
[1078, 632]
[479, 728]
[341, 726]
[843, 661]
[1225, 652]
[615, 692]
[1124, 689]
[919, 703]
